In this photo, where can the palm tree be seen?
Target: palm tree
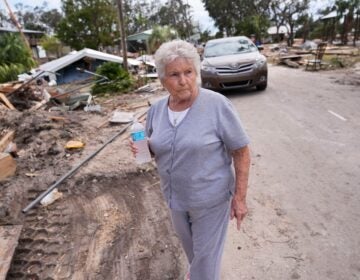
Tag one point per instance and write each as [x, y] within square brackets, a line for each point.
[158, 36]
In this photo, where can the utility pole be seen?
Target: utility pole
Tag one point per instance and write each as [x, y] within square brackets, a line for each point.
[123, 35]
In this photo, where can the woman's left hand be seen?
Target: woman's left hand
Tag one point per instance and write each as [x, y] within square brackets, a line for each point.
[238, 210]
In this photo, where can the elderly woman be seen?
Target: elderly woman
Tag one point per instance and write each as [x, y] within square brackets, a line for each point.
[195, 135]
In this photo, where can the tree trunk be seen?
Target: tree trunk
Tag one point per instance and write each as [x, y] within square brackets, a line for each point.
[123, 35]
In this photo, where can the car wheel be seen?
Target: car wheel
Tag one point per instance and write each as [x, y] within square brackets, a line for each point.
[261, 86]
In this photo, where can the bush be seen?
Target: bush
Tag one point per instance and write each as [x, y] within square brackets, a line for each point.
[15, 57]
[119, 79]
[10, 72]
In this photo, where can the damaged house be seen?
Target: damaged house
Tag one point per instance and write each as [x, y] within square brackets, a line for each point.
[65, 69]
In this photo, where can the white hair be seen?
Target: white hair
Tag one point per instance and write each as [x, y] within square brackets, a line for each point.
[172, 50]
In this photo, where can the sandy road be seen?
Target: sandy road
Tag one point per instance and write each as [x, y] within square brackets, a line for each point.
[112, 222]
[304, 194]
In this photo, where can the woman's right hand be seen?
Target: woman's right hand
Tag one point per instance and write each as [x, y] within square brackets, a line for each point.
[133, 148]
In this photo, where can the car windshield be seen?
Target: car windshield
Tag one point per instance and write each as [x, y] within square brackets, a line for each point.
[229, 48]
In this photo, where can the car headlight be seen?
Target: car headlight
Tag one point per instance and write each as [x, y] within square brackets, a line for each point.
[207, 68]
[260, 62]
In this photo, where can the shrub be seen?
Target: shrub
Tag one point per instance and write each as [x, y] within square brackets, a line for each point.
[118, 79]
[15, 57]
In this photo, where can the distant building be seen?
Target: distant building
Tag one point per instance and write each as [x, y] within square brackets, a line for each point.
[33, 37]
[280, 34]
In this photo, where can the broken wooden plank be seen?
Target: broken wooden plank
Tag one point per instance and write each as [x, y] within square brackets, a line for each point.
[6, 139]
[7, 102]
[9, 236]
[38, 105]
[7, 166]
[9, 87]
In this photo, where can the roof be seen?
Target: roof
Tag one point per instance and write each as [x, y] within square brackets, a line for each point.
[333, 14]
[57, 64]
[6, 29]
[141, 36]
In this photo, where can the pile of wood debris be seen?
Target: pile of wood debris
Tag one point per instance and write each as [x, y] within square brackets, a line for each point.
[25, 95]
[299, 54]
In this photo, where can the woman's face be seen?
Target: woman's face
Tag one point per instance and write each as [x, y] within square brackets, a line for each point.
[180, 79]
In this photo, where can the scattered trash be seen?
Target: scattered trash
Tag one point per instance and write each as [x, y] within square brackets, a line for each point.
[92, 108]
[121, 117]
[146, 88]
[31, 174]
[74, 144]
[51, 197]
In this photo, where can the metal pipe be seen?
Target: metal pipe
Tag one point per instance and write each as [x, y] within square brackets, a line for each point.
[72, 171]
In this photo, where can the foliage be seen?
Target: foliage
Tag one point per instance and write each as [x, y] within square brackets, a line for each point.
[38, 18]
[175, 14]
[9, 72]
[160, 34]
[119, 79]
[137, 14]
[88, 23]
[290, 13]
[255, 24]
[238, 14]
[15, 57]
[51, 19]
[51, 44]
[143, 14]
[349, 10]
[205, 36]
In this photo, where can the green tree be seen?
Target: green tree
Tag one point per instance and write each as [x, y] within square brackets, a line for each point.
[350, 11]
[288, 12]
[51, 19]
[88, 23]
[241, 17]
[38, 17]
[175, 14]
[296, 9]
[160, 34]
[137, 15]
[51, 45]
[15, 57]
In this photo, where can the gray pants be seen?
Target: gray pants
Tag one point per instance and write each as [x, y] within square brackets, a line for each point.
[202, 234]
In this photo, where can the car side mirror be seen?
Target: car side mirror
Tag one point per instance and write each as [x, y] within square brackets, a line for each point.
[260, 48]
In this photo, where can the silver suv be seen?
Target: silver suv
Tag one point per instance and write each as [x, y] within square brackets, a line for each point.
[232, 63]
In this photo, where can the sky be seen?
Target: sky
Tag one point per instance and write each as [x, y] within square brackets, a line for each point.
[199, 13]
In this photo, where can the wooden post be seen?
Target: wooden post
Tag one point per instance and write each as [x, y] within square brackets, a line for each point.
[123, 35]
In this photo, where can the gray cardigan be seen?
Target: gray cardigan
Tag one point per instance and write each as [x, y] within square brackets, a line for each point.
[193, 158]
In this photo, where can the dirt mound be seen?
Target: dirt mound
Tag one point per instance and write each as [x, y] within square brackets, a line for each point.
[111, 222]
[103, 228]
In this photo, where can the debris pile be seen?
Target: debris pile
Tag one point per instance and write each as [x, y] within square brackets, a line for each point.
[302, 52]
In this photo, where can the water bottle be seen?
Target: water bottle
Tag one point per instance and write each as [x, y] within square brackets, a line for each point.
[140, 142]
